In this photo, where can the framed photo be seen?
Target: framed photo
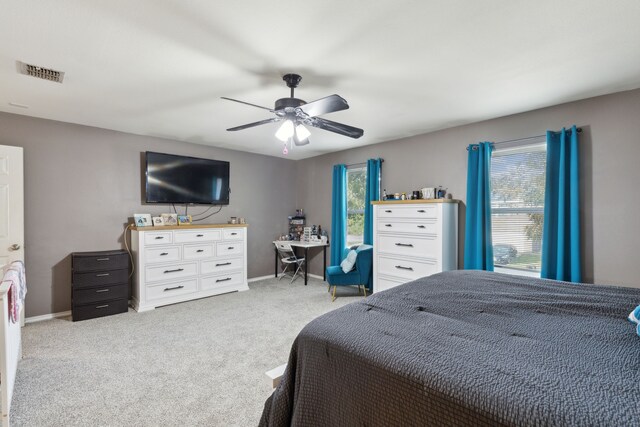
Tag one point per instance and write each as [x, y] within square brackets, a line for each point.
[184, 219]
[142, 220]
[170, 219]
[157, 221]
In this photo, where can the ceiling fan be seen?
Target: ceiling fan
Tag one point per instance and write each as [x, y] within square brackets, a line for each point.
[294, 113]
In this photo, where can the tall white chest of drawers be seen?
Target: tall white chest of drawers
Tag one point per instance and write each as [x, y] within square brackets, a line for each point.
[413, 239]
[175, 264]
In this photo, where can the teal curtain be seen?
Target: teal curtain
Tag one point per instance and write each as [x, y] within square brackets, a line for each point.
[478, 248]
[561, 258]
[372, 193]
[339, 214]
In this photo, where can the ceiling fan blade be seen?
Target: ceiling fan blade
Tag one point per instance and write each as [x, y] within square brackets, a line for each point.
[324, 105]
[300, 142]
[250, 125]
[247, 103]
[340, 128]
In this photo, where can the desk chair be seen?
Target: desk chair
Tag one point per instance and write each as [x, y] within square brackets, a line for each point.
[291, 264]
[361, 275]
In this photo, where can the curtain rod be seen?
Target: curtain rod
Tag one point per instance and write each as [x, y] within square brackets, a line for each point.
[524, 139]
[361, 163]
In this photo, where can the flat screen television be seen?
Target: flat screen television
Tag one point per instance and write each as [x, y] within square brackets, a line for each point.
[180, 179]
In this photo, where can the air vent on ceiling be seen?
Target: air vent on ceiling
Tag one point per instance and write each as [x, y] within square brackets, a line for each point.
[40, 72]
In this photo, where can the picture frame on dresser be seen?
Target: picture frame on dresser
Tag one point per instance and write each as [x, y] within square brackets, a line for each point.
[413, 239]
[181, 263]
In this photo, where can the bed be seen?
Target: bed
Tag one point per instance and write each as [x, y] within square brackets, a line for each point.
[467, 348]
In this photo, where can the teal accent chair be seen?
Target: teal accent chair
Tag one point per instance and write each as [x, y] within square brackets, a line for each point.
[361, 275]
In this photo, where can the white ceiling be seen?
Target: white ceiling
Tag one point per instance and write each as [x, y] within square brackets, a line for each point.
[159, 67]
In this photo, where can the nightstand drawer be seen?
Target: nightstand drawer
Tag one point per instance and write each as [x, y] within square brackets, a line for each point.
[96, 261]
[101, 293]
[107, 308]
[99, 278]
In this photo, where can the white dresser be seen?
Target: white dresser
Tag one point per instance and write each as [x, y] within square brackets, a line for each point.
[175, 264]
[413, 239]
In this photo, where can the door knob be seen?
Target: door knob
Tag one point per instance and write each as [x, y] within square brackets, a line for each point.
[14, 247]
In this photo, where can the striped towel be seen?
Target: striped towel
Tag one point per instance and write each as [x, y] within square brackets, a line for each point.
[634, 317]
[18, 289]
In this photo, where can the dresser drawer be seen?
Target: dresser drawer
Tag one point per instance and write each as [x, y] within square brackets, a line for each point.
[91, 311]
[221, 265]
[426, 246]
[427, 226]
[198, 251]
[407, 269]
[384, 283]
[233, 233]
[229, 279]
[101, 293]
[171, 289]
[164, 254]
[99, 278]
[97, 261]
[170, 272]
[197, 236]
[157, 237]
[417, 211]
[230, 248]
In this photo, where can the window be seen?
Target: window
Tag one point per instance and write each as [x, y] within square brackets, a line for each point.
[356, 185]
[517, 207]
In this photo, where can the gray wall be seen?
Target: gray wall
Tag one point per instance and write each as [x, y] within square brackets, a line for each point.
[83, 183]
[610, 174]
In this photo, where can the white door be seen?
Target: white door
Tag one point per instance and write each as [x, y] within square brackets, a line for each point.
[11, 204]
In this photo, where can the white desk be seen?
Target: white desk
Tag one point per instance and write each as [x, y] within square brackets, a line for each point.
[306, 246]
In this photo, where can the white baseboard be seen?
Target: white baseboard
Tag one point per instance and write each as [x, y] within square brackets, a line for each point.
[47, 317]
[257, 279]
[271, 276]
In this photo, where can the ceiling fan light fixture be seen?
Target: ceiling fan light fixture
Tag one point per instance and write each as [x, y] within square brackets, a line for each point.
[285, 131]
[302, 132]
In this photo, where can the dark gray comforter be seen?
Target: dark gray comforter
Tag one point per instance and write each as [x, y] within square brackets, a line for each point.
[467, 348]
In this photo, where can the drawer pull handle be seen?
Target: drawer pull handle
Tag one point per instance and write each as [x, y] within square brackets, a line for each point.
[173, 289]
[388, 225]
[199, 235]
[402, 267]
[408, 245]
[102, 274]
[159, 237]
[388, 211]
[102, 259]
[102, 290]
[102, 306]
[200, 250]
[234, 234]
[421, 211]
[230, 248]
[174, 271]
[223, 280]
[421, 226]
[224, 263]
[164, 253]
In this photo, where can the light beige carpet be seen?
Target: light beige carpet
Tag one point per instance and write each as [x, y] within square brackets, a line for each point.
[196, 363]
